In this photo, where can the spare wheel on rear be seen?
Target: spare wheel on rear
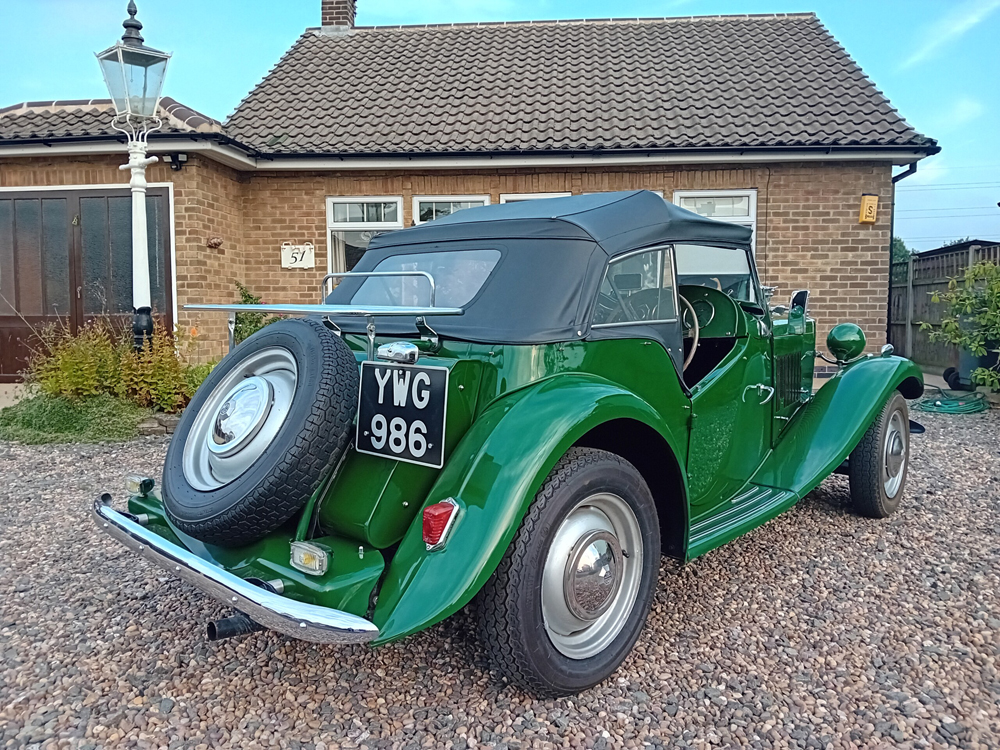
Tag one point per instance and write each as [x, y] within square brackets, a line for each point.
[269, 422]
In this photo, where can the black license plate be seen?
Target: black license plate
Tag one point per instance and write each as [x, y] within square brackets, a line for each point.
[401, 412]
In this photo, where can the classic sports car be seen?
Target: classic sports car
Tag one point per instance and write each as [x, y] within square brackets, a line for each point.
[526, 404]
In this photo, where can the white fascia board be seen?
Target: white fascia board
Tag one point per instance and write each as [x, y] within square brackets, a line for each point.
[336, 163]
[223, 154]
[239, 160]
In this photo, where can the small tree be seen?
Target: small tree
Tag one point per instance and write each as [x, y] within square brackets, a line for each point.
[248, 323]
[900, 252]
[973, 318]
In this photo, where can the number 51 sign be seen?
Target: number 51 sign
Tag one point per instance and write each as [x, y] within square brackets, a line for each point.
[298, 256]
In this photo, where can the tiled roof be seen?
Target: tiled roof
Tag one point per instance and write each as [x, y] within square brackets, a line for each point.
[78, 118]
[706, 82]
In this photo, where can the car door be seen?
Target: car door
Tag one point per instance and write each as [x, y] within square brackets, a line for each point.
[731, 411]
[730, 424]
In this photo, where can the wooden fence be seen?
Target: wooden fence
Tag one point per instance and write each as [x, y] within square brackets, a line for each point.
[912, 283]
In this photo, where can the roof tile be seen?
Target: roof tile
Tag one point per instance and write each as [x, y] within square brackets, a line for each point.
[705, 82]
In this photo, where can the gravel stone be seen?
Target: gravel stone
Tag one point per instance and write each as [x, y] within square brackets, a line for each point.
[820, 630]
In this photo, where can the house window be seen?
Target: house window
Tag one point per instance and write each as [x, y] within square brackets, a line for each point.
[354, 222]
[736, 206]
[429, 207]
[518, 197]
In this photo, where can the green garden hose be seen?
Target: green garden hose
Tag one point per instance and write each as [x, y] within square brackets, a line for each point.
[953, 402]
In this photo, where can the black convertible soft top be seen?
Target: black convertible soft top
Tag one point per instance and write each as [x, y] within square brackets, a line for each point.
[554, 252]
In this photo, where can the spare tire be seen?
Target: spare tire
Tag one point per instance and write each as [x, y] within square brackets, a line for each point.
[263, 430]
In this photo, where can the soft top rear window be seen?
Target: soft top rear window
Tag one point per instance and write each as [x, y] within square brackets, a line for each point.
[458, 277]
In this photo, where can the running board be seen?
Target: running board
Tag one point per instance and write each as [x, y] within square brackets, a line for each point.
[746, 510]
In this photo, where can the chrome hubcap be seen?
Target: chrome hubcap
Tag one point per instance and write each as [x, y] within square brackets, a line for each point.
[241, 415]
[239, 419]
[591, 576]
[894, 450]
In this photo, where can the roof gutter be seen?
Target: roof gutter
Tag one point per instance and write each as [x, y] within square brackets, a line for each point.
[226, 151]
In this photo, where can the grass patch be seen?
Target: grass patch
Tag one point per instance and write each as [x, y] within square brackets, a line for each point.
[53, 419]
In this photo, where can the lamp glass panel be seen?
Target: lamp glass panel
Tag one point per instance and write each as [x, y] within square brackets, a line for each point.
[111, 67]
[143, 80]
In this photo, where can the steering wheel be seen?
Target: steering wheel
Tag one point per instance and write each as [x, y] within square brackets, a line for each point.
[695, 329]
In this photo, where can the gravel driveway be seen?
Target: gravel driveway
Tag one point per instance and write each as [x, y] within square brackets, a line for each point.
[821, 629]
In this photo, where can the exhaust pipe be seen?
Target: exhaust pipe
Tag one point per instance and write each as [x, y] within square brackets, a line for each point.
[231, 627]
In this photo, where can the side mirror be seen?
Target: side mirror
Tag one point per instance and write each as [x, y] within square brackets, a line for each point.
[800, 299]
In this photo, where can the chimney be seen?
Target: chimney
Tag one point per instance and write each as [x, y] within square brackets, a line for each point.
[339, 13]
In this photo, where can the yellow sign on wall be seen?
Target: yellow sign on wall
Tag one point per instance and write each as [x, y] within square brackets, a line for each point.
[869, 209]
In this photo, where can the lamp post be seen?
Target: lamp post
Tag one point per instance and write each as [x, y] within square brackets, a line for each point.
[134, 75]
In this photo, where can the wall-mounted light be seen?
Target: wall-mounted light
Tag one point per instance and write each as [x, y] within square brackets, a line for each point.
[176, 161]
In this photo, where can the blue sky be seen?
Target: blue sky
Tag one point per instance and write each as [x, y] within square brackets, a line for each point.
[936, 61]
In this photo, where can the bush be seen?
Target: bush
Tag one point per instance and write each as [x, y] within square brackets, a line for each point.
[78, 366]
[101, 360]
[45, 418]
[154, 377]
[248, 323]
[973, 318]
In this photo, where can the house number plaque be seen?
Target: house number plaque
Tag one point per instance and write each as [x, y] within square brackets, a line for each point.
[298, 256]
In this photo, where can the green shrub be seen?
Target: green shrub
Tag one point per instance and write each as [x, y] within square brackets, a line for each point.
[972, 320]
[248, 323]
[101, 359]
[154, 377]
[195, 375]
[75, 366]
[45, 418]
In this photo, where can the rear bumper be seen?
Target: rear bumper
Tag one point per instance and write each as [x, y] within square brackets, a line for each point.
[306, 622]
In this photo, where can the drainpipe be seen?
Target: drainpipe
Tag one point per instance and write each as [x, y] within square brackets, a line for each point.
[910, 170]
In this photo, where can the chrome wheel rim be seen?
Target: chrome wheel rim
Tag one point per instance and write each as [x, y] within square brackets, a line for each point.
[895, 449]
[240, 419]
[591, 576]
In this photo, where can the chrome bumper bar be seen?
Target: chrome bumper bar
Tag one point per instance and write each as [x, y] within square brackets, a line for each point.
[307, 622]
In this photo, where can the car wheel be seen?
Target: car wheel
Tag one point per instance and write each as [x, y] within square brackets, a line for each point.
[878, 465]
[571, 594]
[263, 430]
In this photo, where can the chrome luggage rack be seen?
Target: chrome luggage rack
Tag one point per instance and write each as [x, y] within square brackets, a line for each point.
[369, 312]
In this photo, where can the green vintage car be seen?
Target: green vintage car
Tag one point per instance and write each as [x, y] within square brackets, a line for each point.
[526, 405]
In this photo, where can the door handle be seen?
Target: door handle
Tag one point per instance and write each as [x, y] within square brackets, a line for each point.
[79, 289]
[760, 388]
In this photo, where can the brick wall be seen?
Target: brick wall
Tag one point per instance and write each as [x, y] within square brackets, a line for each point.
[808, 235]
[208, 202]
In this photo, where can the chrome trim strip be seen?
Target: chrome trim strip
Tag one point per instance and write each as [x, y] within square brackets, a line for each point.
[359, 310]
[633, 323]
[307, 622]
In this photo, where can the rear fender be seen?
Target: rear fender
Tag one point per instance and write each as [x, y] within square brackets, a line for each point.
[494, 474]
[825, 431]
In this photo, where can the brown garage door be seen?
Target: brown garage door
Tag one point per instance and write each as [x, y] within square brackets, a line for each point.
[66, 257]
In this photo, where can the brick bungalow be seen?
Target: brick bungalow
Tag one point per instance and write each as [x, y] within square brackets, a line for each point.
[762, 120]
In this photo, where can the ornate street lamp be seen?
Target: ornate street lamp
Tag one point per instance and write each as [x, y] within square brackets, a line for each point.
[134, 74]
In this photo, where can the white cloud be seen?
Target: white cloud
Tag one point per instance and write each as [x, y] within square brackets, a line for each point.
[950, 28]
[961, 113]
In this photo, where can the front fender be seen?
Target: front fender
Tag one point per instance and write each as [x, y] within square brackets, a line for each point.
[494, 474]
[825, 431]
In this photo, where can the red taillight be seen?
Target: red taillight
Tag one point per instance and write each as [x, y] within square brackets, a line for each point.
[438, 519]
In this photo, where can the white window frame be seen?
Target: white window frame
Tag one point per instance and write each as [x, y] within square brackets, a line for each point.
[513, 197]
[749, 221]
[332, 226]
[418, 199]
